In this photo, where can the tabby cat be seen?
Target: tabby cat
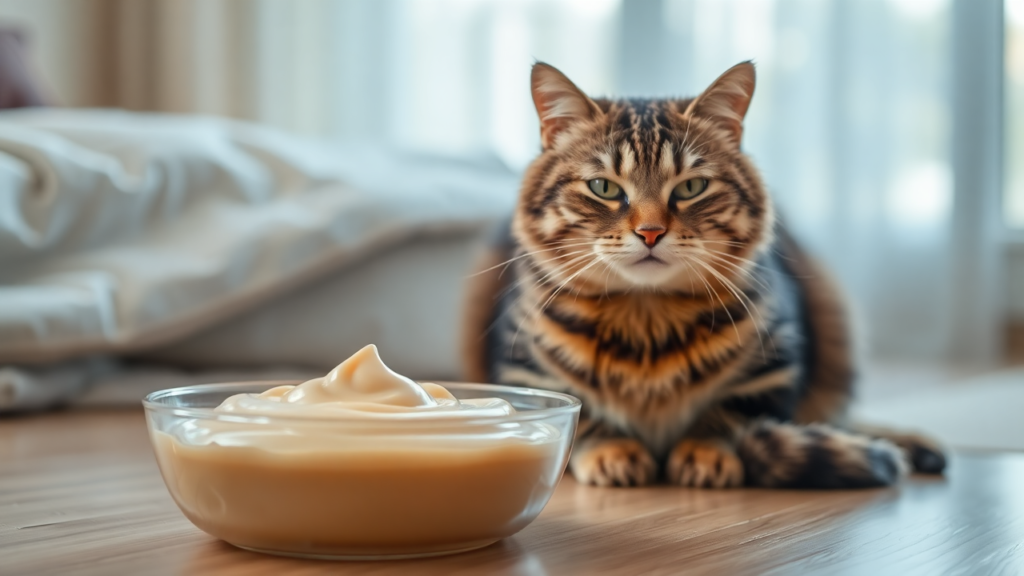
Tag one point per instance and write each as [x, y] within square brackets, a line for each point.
[645, 271]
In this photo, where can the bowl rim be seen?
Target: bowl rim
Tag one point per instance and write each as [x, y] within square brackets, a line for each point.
[152, 403]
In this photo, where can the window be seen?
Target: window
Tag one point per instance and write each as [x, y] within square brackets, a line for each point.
[1014, 199]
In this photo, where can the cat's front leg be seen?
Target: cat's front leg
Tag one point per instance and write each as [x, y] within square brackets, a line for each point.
[602, 457]
[704, 463]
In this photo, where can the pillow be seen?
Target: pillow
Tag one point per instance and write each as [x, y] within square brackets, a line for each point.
[18, 87]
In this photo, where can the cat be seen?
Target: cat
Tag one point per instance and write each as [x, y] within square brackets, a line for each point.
[645, 271]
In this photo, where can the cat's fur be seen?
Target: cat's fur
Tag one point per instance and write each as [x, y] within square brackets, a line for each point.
[721, 360]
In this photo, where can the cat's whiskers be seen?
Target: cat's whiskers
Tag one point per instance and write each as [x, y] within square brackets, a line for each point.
[576, 256]
[527, 277]
[745, 272]
[607, 274]
[565, 283]
[775, 249]
[570, 241]
[743, 299]
[707, 288]
[742, 264]
[564, 267]
[763, 330]
[726, 242]
[738, 259]
[579, 256]
[506, 263]
[586, 279]
[561, 268]
[512, 287]
[535, 310]
[714, 294]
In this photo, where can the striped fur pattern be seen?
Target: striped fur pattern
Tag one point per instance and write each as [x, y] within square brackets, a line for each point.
[707, 348]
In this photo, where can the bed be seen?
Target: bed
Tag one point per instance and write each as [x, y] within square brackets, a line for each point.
[141, 250]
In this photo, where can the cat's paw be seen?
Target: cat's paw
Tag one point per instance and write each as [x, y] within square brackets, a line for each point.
[613, 462]
[922, 453]
[783, 455]
[704, 464]
[925, 455]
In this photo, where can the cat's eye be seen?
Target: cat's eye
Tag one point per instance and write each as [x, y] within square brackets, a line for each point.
[605, 188]
[690, 189]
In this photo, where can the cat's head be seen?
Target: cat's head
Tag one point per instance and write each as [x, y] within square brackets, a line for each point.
[642, 193]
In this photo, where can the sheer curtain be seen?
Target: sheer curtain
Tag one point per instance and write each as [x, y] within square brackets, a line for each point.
[1015, 112]
[851, 124]
[872, 121]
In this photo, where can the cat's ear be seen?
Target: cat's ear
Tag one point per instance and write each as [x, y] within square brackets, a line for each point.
[559, 102]
[727, 99]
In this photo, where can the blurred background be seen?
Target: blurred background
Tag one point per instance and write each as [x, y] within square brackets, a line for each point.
[891, 132]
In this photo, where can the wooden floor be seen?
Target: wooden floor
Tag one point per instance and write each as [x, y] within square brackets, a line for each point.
[80, 494]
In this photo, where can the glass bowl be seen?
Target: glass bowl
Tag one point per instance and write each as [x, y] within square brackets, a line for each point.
[362, 488]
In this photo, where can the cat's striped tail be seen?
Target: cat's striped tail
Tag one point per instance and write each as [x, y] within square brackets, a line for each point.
[778, 455]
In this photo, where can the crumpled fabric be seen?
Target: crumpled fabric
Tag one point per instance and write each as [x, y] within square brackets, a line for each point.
[123, 232]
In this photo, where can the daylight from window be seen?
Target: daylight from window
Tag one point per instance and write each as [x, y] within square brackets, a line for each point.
[1015, 113]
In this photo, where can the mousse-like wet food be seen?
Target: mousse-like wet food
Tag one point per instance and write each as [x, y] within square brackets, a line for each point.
[362, 462]
[360, 386]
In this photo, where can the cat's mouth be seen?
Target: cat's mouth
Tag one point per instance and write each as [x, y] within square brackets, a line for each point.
[649, 259]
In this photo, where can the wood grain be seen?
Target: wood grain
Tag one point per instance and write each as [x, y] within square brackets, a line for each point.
[80, 494]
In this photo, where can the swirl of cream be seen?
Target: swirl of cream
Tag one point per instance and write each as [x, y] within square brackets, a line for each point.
[363, 385]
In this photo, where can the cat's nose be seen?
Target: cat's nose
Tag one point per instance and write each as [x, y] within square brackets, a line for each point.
[650, 234]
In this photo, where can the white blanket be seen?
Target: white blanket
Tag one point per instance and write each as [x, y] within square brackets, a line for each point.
[123, 233]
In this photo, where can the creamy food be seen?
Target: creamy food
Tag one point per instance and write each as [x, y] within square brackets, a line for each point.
[360, 386]
[360, 462]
